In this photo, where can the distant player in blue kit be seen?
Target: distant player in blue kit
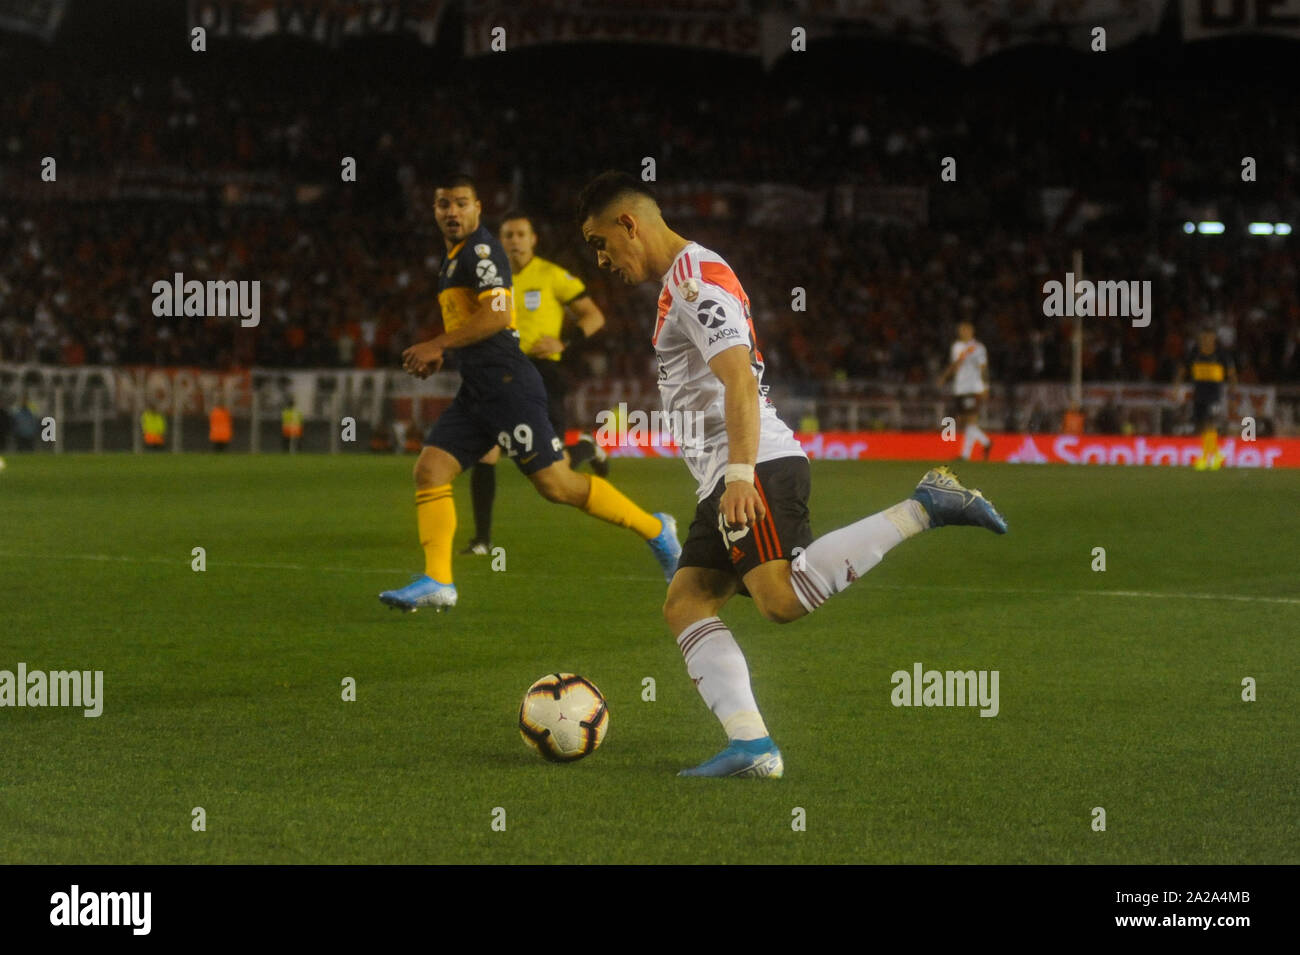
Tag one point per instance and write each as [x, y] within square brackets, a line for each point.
[1208, 366]
[501, 402]
[751, 534]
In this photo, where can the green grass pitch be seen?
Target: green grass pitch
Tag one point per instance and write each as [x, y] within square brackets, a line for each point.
[222, 689]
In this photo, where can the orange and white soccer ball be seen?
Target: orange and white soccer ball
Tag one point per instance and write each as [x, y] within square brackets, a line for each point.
[563, 717]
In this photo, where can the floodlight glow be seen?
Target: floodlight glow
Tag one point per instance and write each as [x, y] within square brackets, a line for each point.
[1282, 228]
[1209, 228]
[1261, 228]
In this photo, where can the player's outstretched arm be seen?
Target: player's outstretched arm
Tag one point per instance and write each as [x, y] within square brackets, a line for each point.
[740, 503]
[492, 314]
[422, 359]
[587, 319]
[587, 315]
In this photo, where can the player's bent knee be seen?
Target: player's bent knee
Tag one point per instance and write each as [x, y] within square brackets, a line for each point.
[694, 594]
[434, 467]
[782, 611]
[671, 611]
[681, 610]
[678, 611]
[559, 485]
[779, 605]
[549, 491]
[687, 602]
[774, 597]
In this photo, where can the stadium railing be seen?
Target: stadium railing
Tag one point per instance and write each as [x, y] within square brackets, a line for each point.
[98, 408]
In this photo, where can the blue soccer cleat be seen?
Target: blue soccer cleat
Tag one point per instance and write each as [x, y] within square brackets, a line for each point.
[422, 591]
[948, 503]
[667, 548]
[743, 757]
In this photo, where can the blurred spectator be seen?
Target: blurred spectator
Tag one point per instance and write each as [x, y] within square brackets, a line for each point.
[25, 427]
[205, 171]
[1073, 422]
[291, 425]
[219, 427]
[153, 425]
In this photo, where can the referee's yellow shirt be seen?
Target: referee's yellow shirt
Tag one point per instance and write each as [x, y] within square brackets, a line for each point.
[541, 290]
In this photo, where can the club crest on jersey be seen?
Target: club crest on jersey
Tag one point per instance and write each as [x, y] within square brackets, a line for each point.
[483, 250]
[730, 534]
[690, 289]
[711, 314]
[533, 299]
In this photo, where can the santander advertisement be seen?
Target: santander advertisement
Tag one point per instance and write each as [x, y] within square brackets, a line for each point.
[1013, 448]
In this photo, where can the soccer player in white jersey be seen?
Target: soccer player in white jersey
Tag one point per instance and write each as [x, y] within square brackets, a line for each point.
[751, 533]
[968, 367]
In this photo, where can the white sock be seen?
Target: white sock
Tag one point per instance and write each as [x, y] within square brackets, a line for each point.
[968, 441]
[715, 663]
[978, 434]
[835, 560]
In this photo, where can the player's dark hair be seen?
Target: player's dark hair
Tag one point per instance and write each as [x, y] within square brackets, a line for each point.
[604, 189]
[519, 214]
[456, 180]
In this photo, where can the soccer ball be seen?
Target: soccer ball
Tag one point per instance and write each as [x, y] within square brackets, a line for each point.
[563, 717]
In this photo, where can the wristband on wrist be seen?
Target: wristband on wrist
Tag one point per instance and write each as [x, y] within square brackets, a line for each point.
[740, 472]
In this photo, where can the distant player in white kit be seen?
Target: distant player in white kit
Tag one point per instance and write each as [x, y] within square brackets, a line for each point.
[751, 533]
[968, 368]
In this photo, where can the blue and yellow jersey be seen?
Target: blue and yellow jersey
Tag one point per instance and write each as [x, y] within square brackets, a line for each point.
[541, 290]
[1208, 373]
[471, 273]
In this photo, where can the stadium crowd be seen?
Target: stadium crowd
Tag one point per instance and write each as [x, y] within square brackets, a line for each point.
[347, 270]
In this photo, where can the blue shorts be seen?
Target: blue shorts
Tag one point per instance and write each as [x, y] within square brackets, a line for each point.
[499, 404]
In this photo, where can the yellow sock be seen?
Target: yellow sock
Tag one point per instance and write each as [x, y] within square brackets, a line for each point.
[1209, 443]
[609, 504]
[435, 515]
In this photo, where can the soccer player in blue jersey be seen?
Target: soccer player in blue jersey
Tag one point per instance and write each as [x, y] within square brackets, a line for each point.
[501, 402]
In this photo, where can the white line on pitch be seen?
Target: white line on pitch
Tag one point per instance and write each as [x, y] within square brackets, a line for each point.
[1140, 594]
[1146, 594]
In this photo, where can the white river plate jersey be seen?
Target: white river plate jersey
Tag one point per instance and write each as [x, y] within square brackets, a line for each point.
[702, 312]
[969, 379]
